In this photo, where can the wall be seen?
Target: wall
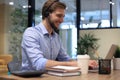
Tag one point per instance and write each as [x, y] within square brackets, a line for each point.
[2, 26]
[107, 38]
[8, 10]
[5, 22]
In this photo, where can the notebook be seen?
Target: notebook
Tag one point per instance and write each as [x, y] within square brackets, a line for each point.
[64, 71]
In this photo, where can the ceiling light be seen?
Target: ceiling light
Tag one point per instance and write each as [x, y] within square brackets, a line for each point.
[112, 3]
[82, 18]
[11, 3]
[26, 6]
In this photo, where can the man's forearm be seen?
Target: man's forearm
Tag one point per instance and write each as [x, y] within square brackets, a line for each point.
[51, 63]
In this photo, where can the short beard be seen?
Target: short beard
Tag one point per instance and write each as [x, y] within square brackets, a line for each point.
[53, 25]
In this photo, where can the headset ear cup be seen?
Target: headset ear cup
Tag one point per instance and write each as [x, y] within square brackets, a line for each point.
[46, 14]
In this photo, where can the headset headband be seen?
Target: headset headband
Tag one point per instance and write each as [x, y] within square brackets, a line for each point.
[47, 10]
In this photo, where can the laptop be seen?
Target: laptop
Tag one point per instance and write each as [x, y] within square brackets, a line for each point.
[15, 66]
[109, 55]
[111, 52]
[93, 70]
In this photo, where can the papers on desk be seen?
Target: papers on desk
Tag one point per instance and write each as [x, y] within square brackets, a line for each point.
[64, 71]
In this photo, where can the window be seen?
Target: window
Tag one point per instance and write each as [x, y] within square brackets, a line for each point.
[99, 14]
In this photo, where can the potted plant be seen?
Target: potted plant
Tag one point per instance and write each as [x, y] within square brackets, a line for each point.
[87, 44]
[116, 60]
[19, 24]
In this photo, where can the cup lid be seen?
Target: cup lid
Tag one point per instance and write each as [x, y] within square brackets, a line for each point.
[83, 56]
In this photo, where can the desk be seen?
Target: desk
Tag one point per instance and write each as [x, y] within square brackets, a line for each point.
[115, 75]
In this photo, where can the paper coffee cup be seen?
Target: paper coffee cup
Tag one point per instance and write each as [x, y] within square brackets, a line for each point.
[83, 63]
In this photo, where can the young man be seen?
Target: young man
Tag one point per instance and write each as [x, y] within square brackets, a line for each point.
[41, 45]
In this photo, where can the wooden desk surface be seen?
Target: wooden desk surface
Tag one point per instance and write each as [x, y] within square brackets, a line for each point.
[115, 75]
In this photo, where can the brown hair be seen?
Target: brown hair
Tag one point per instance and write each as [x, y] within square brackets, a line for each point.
[50, 6]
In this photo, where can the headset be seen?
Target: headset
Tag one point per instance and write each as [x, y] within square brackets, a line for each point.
[47, 10]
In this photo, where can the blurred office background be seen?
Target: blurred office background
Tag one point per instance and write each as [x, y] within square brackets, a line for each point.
[81, 16]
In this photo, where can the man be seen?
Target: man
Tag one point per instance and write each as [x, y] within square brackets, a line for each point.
[41, 45]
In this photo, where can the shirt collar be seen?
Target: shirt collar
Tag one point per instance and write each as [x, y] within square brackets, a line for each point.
[44, 30]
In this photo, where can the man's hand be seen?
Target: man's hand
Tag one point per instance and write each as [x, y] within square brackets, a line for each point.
[93, 64]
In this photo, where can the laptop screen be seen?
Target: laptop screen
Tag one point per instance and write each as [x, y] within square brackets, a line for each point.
[111, 52]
